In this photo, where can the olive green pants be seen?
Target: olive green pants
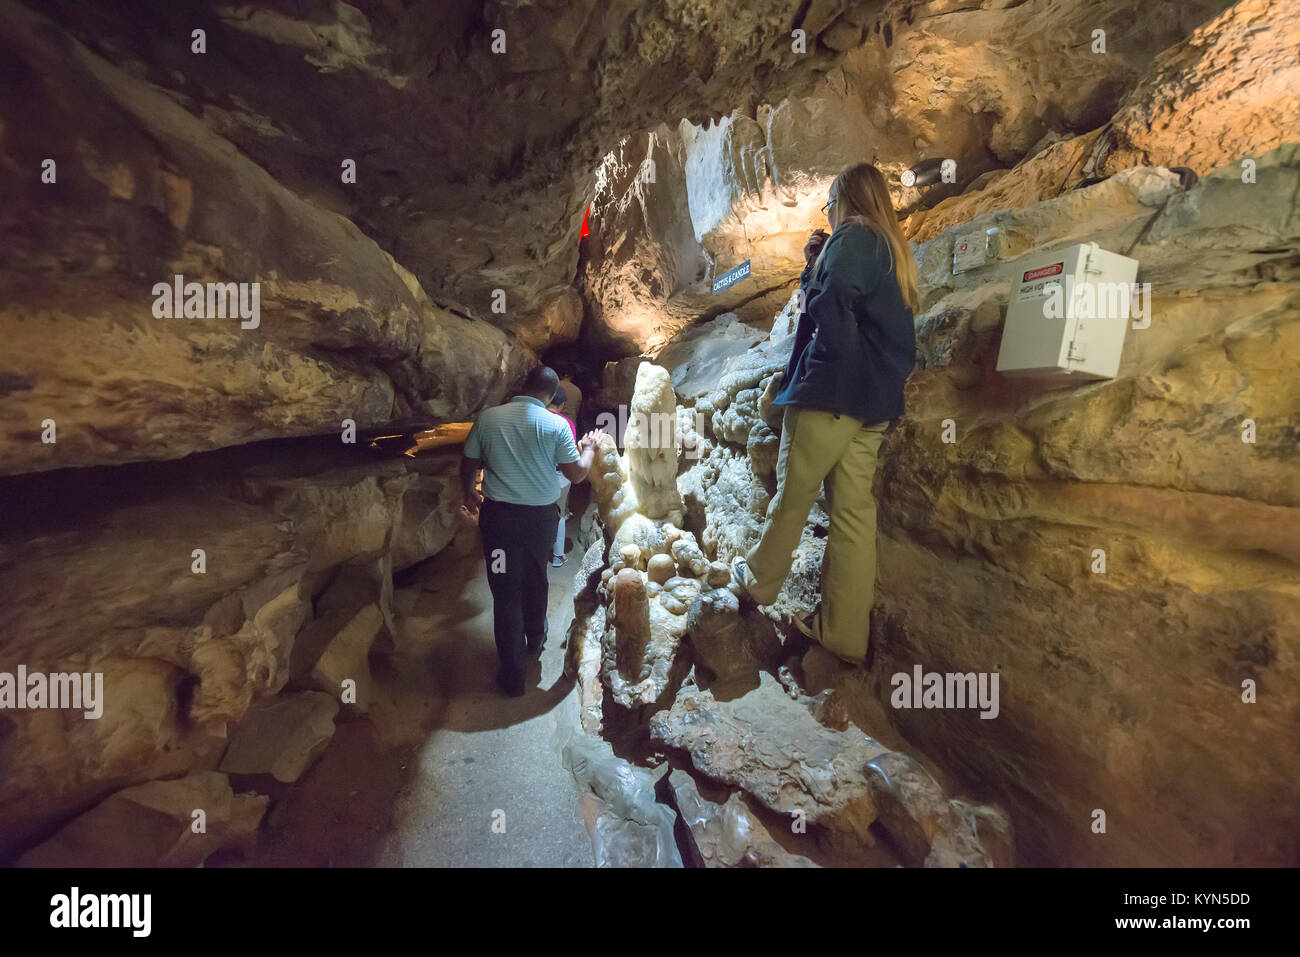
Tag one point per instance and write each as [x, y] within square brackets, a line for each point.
[817, 446]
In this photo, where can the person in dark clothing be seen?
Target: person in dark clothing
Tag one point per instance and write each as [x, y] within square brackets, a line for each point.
[854, 347]
[518, 446]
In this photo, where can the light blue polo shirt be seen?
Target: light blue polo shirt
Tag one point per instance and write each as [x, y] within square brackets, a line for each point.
[520, 444]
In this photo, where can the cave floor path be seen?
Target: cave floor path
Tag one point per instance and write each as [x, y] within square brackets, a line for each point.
[486, 787]
[442, 770]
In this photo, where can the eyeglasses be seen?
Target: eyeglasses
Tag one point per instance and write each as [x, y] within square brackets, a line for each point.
[828, 206]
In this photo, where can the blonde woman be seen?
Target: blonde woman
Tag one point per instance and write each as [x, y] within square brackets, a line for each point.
[853, 349]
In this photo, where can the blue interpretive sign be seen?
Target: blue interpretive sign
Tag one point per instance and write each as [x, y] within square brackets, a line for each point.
[731, 277]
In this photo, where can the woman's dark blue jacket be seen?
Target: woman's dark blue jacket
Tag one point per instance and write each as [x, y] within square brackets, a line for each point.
[854, 346]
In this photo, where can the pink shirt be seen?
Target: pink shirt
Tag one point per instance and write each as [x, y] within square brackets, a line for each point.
[572, 428]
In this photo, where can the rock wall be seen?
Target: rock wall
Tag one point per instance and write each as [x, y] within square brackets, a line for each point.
[1123, 690]
[292, 594]
[1224, 93]
[1125, 687]
[146, 191]
[915, 82]
[475, 150]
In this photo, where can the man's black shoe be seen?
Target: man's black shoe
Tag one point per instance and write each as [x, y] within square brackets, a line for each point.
[536, 644]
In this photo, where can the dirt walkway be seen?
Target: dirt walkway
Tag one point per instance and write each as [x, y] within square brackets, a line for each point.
[444, 770]
[488, 788]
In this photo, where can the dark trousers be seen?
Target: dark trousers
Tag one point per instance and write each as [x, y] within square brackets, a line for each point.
[517, 541]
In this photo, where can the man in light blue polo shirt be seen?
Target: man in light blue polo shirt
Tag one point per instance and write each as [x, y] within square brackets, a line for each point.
[518, 446]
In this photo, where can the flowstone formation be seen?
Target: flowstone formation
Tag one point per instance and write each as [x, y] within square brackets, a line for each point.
[664, 645]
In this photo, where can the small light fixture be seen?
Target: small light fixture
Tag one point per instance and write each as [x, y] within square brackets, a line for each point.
[924, 173]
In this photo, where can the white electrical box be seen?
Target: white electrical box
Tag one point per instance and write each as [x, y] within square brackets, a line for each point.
[1068, 313]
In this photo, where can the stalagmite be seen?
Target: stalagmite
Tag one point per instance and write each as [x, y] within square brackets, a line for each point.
[651, 443]
[614, 494]
[631, 621]
[661, 568]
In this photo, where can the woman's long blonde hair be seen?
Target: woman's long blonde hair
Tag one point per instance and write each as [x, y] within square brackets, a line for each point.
[862, 192]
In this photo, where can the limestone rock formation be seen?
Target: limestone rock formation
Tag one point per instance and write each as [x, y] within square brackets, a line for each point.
[282, 736]
[656, 574]
[342, 668]
[640, 660]
[931, 829]
[694, 357]
[587, 645]
[725, 502]
[727, 487]
[631, 619]
[1197, 526]
[660, 568]
[430, 511]
[343, 333]
[292, 549]
[629, 828]
[770, 744]
[687, 555]
[586, 633]
[479, 162]
[727, 835]
[643, 239]
[186, 516]
[1223, 94]
[152, 825]
[651, 442]
[608, 476]
[1226, 91]
[773, 748]
[913, 82]
[1030, 462]
[730, 646]
[1150, 467]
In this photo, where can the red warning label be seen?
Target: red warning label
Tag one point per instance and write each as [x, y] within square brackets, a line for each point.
[1043, 271]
